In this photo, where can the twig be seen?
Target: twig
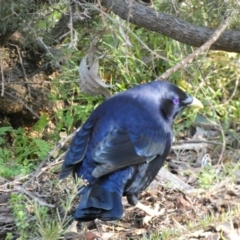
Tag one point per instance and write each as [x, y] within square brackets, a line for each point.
[221, 185]
[223, 144]
[203, 48]
[31, 195]
[56, 162]
[26, 192]
[50, 51]
[188, 146]
[7, 183]
[21, 62]
[232, 95]
[197, 141]
[21, 101]
[43, 82]
[41, 44]
[3, 79]
[70, 24]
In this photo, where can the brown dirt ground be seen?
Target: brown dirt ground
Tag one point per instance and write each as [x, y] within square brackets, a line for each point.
[183, 204]
[179, 207]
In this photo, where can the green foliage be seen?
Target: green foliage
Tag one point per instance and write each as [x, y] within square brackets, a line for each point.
[28, 148]
[21, 216]
[32, 220]
[210, 176]
[3, 131]
[47, 227]
[78, 106]
[52, 228]
[41, 123]
[207, 177]
[9, 236]
[7, 167]
[35, 221]
[23, 154]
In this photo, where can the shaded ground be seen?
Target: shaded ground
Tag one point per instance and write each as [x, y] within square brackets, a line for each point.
[184, 215]
[25, 83]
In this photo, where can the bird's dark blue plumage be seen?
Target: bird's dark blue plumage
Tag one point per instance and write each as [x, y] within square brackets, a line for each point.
[121, 147]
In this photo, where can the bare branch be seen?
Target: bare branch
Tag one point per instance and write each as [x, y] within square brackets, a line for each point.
[23, 103]
[21, 62]
[3, 78]
[35, 198]
[200, 50]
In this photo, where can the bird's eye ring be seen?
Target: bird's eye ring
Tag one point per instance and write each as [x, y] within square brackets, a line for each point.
[176, 101]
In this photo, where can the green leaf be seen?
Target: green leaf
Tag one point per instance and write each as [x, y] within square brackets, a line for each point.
[41, 123]
[4, 130]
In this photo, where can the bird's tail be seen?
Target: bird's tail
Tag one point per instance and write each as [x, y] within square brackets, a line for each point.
[97, 202]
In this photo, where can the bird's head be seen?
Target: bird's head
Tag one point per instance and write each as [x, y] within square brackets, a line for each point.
[173, 100]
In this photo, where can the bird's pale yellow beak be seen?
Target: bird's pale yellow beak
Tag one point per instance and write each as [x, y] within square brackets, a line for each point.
[196, 103]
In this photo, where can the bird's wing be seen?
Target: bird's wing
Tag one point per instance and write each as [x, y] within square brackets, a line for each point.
[77, 149]
[120, 149]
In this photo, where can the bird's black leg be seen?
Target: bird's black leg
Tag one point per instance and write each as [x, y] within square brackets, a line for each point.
[97, 223]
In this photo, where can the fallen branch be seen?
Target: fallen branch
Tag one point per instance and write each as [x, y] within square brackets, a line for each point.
[197, 141]
[177, 182]
[35, 198]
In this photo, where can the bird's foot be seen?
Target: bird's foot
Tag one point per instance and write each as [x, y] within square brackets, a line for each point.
[151, 213]
[98, 225]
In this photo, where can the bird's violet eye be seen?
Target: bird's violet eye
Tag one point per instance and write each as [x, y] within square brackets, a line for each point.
[176, 101]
